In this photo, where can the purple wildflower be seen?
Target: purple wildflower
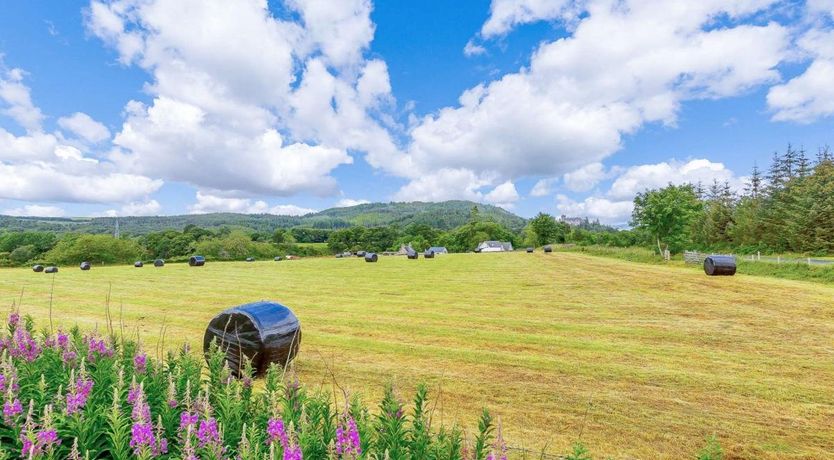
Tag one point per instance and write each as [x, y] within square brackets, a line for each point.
[69, 356]
[79, 391]
[14, 319]
[348, 444]
[22, 345]
[143, 440]
[207, 434]
[97, 348]
[11, 409]
[140, 363]
[188, 420]
[276, 431]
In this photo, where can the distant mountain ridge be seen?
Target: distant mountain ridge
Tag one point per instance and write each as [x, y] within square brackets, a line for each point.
[443, 215]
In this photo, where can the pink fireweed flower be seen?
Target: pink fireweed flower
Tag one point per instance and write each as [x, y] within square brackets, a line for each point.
[97, 348]
[14, 319]
[143, 440]
[34, 441]
[11, 409]
[348, 444]
[207, 433]
[188, 420]
[79, 392]
[140, 363]
[276, 431]
[499, 447]
[22, 345]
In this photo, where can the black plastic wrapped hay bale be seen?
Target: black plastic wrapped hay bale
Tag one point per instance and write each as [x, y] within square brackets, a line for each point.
[429, 254]
[716, 265]
[37, 268]
[250, 259]
[412, 254]
[360, 253]
[264, 332]
[197, 261]
[339, 255]
[371, 257]
[52, 269]
[158, 263]
[86, 266]
[529, 250]
[138, 264]
[277, 259]
[548, 248]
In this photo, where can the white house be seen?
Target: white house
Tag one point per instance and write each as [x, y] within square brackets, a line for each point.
[494, 246]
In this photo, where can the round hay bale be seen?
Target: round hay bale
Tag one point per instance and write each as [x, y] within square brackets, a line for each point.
[718, 265]
[339, 255]
[37, 268]
[250, 259]
[360, 253]
[197, 261]
[548, 248]
[51, 269]
[138, 264]
[264, 332]
[86, 266]
[158, 263]
[429, 254]
[371, 257]
[412, 254]
[277, 258]
[529, 250]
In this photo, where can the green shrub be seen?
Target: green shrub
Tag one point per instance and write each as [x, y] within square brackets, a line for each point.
[97, 249]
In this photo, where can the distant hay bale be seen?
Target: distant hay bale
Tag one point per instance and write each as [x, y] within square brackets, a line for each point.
[37, 268]
[250, 259]
[370, 257]
[429, 254]
[339, 255]
[277, 258]
[197, 261]
[548, 248]
[52, 269]
[158, 263]
[86, 266]
[138, 264]
[412, 254]
[263, 332]
[360, 253]
[718, 265]
[529, 250]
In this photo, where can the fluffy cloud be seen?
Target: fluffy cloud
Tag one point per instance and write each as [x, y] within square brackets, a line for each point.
[810, 95]
[640, 178]
[207, 203]
[473, 49]
[18, 100]
[254, 104]
[565, 111]
[348, 202]
[604, 209]
[615, 205]
[83, 126]
[33, 210]
[506, 14]
[543, 187]
[39, 166]
[586, 177]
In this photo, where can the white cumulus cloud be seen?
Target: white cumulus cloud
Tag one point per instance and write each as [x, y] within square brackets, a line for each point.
[84, 127]
[207, 203]
[34, 210]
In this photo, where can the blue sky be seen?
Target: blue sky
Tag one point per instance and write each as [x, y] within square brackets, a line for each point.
[167, 107]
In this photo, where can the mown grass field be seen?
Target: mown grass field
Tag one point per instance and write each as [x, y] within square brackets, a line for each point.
[649, 359]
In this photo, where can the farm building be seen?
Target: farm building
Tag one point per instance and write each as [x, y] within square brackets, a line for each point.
[438, 250]
[494, 246]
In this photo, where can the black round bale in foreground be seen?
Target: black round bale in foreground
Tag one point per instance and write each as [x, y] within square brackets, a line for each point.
[548, 248]
[716, 265]
[86, 265]
[370, 257]
[52, 269]
[37, 268]
[529, 250]
[197, 261]
[138, 264]
[264, 332]
[429, 254]
[158, 263]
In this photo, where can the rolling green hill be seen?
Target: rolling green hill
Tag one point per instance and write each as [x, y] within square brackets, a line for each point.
[444, 215]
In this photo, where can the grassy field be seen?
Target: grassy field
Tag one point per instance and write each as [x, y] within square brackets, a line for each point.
[644, 360]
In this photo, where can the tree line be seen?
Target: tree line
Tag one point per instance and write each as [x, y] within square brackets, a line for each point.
[787, 208]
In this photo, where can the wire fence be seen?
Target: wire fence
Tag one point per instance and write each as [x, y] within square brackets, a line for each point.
[695, 257]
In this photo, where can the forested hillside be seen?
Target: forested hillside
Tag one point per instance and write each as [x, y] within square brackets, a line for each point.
[445, 216]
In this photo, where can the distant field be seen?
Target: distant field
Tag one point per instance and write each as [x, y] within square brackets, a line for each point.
[659, 357]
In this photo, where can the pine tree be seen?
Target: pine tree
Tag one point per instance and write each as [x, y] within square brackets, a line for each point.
[803, 166]
[753, 188]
